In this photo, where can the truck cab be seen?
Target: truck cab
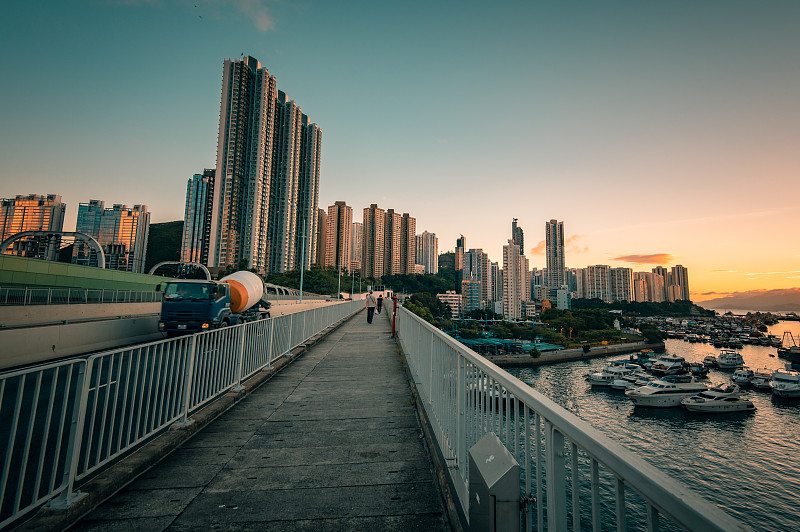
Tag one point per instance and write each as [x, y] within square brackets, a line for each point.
[189, 306]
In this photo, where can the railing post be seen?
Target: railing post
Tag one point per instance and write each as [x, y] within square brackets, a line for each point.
[289, 342]
[556, 481]
[238, 386]
[271, 341]
[187, 390]
[49, 295]
[75, 441]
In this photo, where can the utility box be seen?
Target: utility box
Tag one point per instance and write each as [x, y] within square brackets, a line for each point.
[493, 486]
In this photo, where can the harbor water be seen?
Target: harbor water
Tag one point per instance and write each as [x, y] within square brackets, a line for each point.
[746, 463]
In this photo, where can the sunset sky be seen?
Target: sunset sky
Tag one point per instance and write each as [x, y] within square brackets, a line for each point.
[660, 133]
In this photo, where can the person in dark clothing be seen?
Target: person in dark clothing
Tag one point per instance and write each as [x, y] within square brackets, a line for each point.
[370, 306]
[380, 303]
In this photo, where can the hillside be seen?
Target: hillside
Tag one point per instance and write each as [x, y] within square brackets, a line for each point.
[776, 300]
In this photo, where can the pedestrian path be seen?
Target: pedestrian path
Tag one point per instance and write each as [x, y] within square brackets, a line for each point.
[330, 443]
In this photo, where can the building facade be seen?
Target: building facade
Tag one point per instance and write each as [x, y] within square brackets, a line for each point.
[372, 247]
[516, 281]
[355, 246]
[337, 243]
[197, 217]
[554, 249]
[266, 185]
[428, 251]
[32, 212]
[121, 231]
[408, 243]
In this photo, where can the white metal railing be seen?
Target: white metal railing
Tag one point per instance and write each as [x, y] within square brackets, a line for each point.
[573, 476]
[68, 296]
[61, 422]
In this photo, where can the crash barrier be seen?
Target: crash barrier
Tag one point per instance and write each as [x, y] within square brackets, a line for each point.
[61, 422]
[70, 296]
[572, 475]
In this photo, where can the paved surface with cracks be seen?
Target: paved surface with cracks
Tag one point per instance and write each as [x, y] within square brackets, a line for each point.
[330, 443]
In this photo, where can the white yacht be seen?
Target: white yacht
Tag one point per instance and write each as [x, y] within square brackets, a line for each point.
[743, 376]
[718, 400]
[761, 378]
[608, 375]
[660, 393]
[730, 360]
[668, 365]
[785, 383]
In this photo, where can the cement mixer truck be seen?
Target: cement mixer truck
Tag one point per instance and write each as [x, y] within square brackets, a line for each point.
[190, 306]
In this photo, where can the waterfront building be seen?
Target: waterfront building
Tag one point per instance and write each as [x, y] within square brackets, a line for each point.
[392, 231]
[621, 284]
[471, 295]
[337, 242]
[408, 243]
[321, 237]
[495, 283]
[517, 236]
[197, 217]
[452, 298]
[461, 246]
[372, 247]
[640, 287]
[679, 276]
[476, 268]
[355, 245]
[596, 282]
[267, 176]
[554, 249]
[32, 212]
[121, 231]
[428, 251]
[516, 283]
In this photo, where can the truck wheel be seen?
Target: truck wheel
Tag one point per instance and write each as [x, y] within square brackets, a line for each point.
[225, 323]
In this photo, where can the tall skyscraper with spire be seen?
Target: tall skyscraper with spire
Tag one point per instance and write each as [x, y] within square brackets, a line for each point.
[266, 186]
[517, 237]
[554, 249]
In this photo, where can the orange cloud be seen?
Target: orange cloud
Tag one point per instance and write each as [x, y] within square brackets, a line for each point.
[655, 258]
[539, 249]
[571, 244]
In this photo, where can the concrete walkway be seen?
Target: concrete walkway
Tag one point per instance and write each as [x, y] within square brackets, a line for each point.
[330, 443]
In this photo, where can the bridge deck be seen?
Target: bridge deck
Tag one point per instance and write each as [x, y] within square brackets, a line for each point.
[330, 443]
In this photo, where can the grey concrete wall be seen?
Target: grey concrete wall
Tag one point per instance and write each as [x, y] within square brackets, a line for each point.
[28, 314]
[31, 345]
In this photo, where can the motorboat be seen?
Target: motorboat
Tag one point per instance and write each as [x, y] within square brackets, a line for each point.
[761, 378]
[661, 393]
[743, 376]
[719, 399]
[710, 361]
[785, 383]
[609, 374]
[698, 370]
[668, 365]
[729, 359]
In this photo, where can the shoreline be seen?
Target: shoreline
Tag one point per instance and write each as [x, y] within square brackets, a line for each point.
[569, 355]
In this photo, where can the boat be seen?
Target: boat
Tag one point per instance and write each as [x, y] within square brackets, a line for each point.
[609, 374]
[761, 378]
[660, 393]
[710, 361]
[698, 370]
[785, 383]
[729, 359]
[668, 365]
[743, 376]
[718, 400]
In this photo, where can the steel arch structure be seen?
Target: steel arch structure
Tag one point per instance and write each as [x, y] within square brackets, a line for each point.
[94, 244]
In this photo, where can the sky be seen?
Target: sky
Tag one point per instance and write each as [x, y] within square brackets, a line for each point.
[660, 133]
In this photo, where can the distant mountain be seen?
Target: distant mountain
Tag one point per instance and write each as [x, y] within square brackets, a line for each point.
[163, 243]
[776, 300]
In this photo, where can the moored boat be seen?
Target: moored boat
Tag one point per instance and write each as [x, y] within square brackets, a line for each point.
[761, 378]
[710, 361]
[743, 376]
[785, 383]
[668, 365]
[718, 400]
[660, 393]
[729, 359]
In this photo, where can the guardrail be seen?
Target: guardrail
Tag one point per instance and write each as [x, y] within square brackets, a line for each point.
[62, 422]
[573, 476]
[69, 296]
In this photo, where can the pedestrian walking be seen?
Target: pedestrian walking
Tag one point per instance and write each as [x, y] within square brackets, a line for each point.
[380, 302]
[370, 306]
